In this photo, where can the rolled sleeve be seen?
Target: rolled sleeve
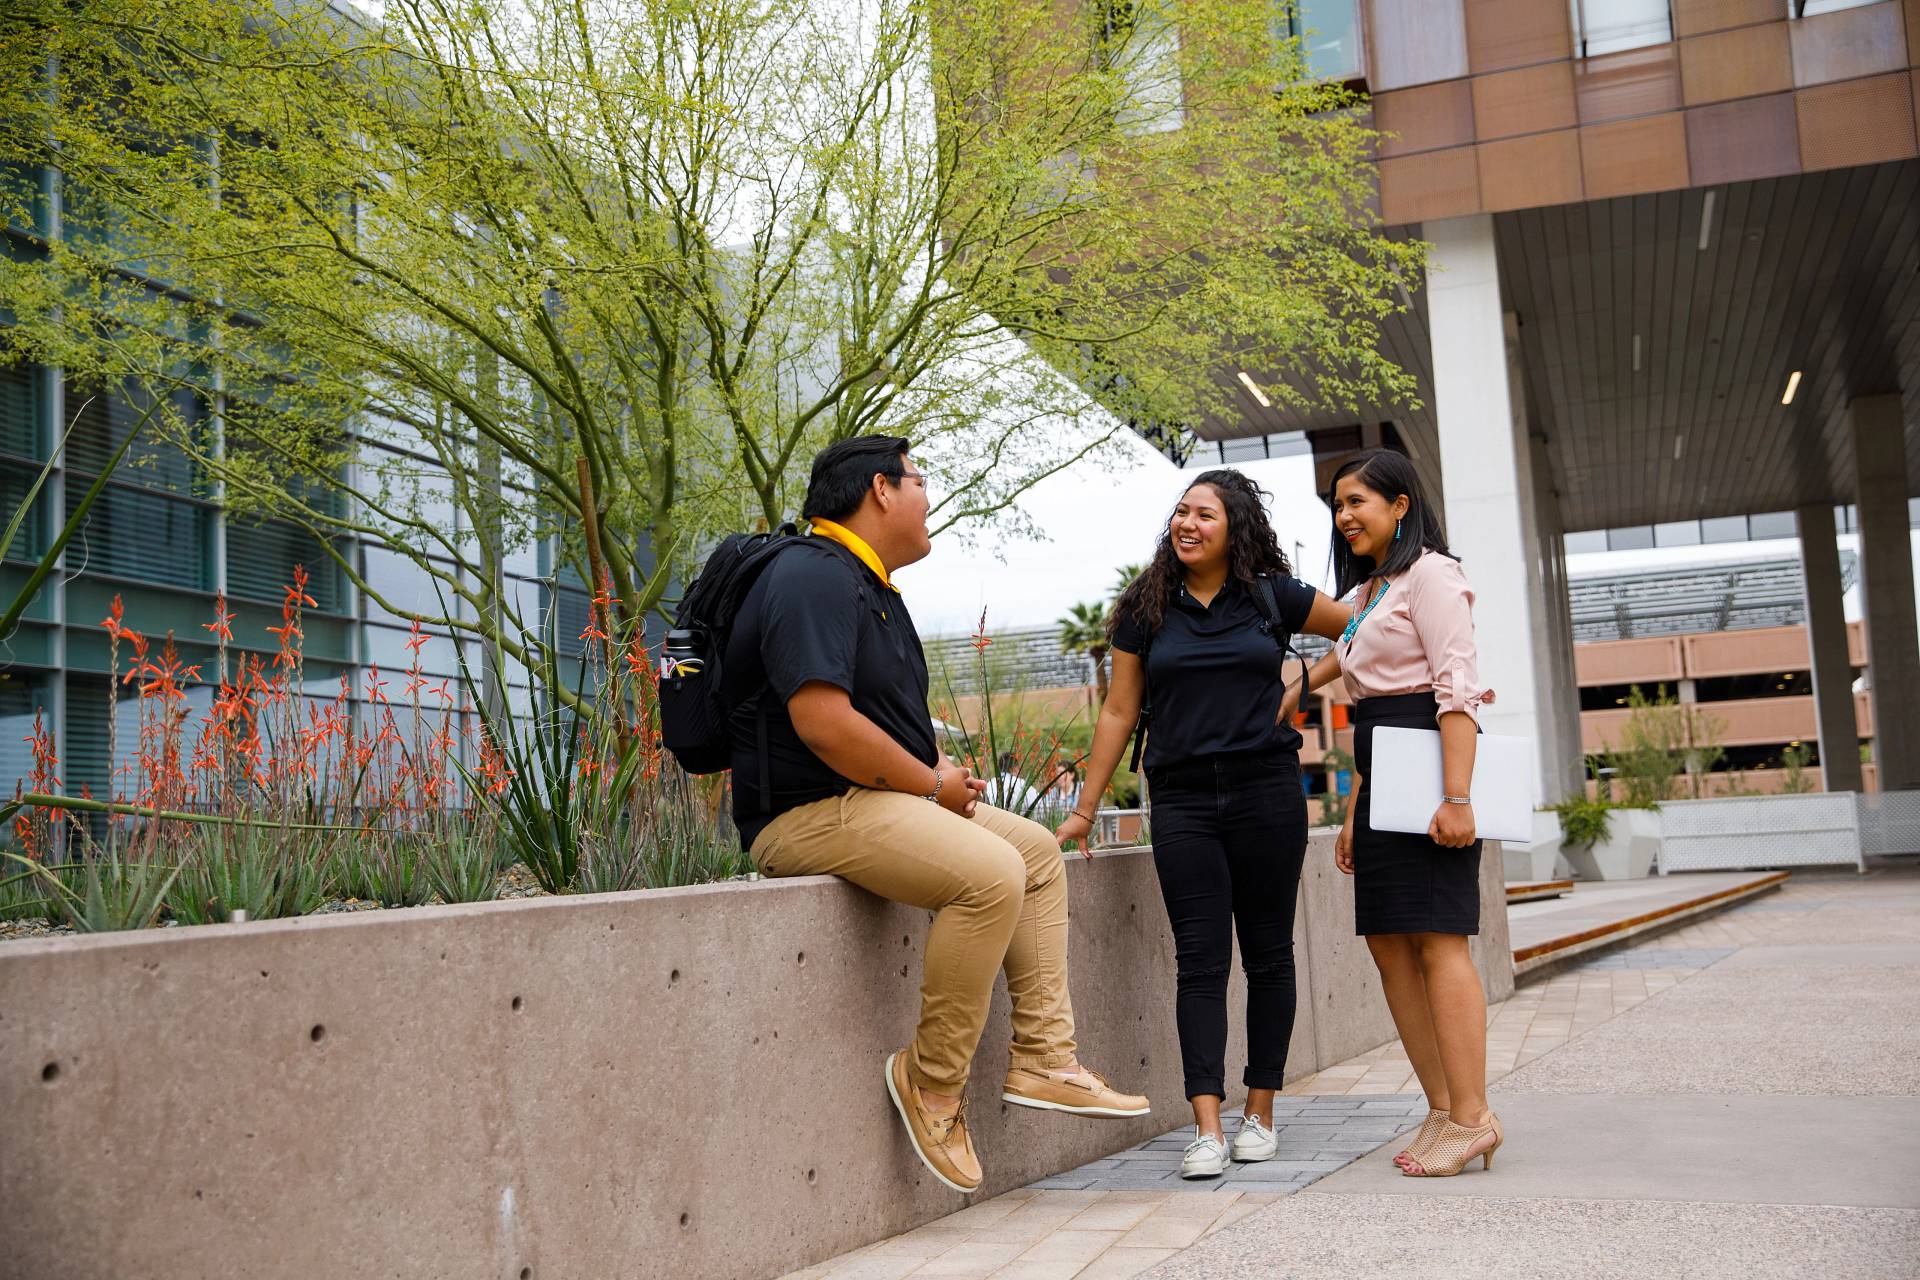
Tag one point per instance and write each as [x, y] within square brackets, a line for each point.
[1440, 604]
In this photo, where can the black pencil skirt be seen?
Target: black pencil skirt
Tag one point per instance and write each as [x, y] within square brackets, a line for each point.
[1404, 882]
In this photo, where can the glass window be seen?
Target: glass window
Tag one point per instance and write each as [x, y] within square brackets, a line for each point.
[386, 648]
[1591, 540]
[1724, 529]
[20, 411]
[261, 558]
[1808, 8]
[1773, 524]
[1144, 47]
[1634, 538]
[130, 533]
[404, 584]
[1608, 26]
[1682, 533]
[1329, 35]
[21, 695]
[101, 419]
[16, 482]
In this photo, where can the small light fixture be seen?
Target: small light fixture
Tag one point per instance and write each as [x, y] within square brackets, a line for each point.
[1706, 221]
[1253, 388]
[1636, 353]
[1679, 445]
[1793, 385]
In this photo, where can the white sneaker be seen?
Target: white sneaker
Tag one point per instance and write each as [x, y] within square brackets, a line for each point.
[1254, 1142]
[1205, 1157]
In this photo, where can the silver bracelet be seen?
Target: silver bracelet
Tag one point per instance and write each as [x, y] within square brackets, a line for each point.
[1458, 799]
[939, 776]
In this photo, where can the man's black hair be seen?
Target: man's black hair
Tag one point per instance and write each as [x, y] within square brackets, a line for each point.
[843, 472]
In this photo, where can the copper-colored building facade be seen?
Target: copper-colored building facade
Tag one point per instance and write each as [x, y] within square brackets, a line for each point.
[1494, 112]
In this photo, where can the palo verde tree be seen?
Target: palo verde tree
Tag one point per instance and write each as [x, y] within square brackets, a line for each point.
[623, 265]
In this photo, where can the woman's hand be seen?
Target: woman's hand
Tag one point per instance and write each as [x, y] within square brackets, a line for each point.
[1077, 827]
[1343, 843]
[1452, 826]
[1289, 705]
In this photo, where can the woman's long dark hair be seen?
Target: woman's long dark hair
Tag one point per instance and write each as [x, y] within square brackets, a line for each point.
[1252, 549]
[1390, 475]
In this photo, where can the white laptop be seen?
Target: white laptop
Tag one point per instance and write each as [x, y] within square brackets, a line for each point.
[1404, 788]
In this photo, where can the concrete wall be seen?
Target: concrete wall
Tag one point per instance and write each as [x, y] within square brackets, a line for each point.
[678, 1083]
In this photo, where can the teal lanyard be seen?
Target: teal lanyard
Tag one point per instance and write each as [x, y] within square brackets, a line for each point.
[1346, 637]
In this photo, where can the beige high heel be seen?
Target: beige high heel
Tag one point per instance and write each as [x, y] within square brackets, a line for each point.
[1452, 1149]
[1423, 1136]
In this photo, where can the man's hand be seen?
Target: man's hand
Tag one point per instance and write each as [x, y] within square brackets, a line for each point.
[1452, 826]
[1076, 827]
[1343, 843]
[960, 791]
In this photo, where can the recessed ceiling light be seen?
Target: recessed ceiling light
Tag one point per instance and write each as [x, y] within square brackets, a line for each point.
[1254, 389]
[1706, 221]
[1793, 385]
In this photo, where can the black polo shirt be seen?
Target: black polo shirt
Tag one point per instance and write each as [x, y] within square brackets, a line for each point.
[817, 613]
[1213, 673]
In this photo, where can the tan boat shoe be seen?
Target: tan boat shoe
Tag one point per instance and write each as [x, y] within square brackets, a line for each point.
[941, 1142]
[1085, 1094]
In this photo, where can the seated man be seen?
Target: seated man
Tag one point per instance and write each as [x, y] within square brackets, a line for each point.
[829, 688]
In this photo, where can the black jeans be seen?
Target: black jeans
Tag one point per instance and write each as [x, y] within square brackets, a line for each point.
[1229, 835]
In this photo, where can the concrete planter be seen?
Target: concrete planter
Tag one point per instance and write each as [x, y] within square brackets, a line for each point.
[1742, 832]
[1628, 853]
[1532, 863]
[563, 1086]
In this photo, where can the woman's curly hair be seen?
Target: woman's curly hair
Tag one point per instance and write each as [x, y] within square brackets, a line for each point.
[1252, 549]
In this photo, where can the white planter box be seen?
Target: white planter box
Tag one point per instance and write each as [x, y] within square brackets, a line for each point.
[1741, 832]
[1532, 863]
[1629, 851]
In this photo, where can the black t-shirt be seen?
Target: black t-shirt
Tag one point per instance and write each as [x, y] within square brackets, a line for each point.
[817, 613]
[1213, 673]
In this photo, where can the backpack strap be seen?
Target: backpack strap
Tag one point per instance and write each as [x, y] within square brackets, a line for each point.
[1269, 605]
[1146, 707]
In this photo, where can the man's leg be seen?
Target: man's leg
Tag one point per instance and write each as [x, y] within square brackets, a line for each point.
[904, 849]
[1036, 961]
[1044, 1072]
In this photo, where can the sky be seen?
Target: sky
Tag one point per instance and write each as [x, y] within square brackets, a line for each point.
[1097, 519]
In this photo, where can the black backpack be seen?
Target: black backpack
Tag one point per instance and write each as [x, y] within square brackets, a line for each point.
[694, 713]
[1269, 606]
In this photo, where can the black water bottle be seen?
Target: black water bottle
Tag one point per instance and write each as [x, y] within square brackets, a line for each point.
[683, 655]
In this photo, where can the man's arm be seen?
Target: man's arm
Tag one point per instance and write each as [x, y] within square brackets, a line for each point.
[863, 753]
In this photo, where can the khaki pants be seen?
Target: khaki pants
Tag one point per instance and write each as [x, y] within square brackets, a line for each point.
[999, 892]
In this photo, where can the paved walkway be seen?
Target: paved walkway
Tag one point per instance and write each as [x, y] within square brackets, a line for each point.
[1733, 1098]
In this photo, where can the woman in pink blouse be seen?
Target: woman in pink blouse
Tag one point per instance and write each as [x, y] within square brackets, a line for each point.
[1407, 656]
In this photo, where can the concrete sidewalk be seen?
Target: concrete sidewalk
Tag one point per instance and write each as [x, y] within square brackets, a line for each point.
[1737, 1097]
[1757, 1119]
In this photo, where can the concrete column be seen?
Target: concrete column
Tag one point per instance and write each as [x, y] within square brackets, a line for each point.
[1886, 552]
[1565, 760]
[1487, 463]
[1827, 645]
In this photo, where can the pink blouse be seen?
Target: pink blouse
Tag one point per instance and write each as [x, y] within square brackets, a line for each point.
[1419, 637]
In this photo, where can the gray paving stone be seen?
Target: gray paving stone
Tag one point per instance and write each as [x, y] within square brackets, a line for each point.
[1657, 958]
[1318, 1136]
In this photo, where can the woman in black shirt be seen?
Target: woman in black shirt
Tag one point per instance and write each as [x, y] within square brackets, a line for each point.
[1193, 640]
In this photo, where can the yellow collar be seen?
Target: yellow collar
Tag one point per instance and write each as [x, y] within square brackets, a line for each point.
[856, 544]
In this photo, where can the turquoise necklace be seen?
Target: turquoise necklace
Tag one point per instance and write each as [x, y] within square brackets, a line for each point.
[1353, 625]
